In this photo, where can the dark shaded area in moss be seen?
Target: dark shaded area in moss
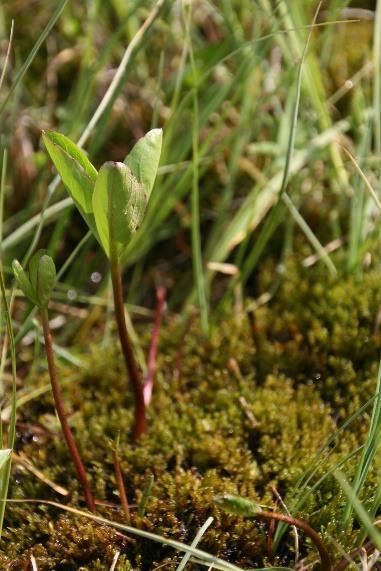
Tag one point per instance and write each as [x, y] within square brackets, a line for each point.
[213, 428]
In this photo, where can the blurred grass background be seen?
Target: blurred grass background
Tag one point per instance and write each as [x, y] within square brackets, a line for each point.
[220, 78]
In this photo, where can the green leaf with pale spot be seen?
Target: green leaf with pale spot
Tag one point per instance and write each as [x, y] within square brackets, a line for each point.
[143, 160]
[23, 282]
[119, 203]
[237, 506]
[76, 171]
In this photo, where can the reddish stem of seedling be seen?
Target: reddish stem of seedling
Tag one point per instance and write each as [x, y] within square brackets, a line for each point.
[152, 353]
[140, 423]
[62, 414]
[311, 533]
[121, 487]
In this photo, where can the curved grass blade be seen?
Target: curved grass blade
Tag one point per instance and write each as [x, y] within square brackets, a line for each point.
[202, 556]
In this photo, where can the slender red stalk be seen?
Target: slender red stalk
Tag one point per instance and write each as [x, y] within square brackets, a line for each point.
[301, 524]
[161, 293]
[62, 414]
[121, 487]
[140, 423]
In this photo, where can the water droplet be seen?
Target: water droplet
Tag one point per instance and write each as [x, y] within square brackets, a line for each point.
[96, 277]
[71, 294]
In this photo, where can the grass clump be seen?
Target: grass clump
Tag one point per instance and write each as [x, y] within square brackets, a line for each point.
[244, 426]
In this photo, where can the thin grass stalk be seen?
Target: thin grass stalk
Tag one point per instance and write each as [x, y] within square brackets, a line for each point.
[303, 487]
[376, 78]
[24, 68]
[360, 510]
[6, 60]
[369, 451]
[12, 420]
[198, 270]
[194, 543]
[4, 350]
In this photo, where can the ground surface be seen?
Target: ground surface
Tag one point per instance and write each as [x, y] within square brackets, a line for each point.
[245, 412]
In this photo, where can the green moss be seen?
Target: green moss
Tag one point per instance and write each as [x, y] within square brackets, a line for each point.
[311, 363]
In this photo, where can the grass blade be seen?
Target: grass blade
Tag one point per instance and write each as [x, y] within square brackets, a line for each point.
[194, 543]
[6, 462]
[24, 68]
[361, 512]
[376, 79]
[369, 451]
[202, 556]
[198, 270]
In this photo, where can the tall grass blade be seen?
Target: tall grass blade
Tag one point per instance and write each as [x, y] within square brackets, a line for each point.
[5, 472]
[24, 68]
[198, 270]
[376, 78]
[361, 512]
[7, 55]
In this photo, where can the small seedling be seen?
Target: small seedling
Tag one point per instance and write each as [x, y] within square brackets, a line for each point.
[37, 285]
[244, 507]
[113, 203]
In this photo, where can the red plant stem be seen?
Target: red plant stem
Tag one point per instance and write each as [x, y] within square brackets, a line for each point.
[121, 487]
[161, 293]
[140, 423]
[62, 414]
[311, 533]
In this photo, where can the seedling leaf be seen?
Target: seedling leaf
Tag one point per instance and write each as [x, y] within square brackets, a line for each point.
[23, 281]
[237, 506]
[143, 160]
[38, 286]
[76, 171]
[119, 203]
[46, 279]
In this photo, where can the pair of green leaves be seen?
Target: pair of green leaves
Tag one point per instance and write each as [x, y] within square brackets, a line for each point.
[37, 284]
[112, 202]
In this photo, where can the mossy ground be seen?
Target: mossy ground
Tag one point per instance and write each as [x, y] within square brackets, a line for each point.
[309, 363]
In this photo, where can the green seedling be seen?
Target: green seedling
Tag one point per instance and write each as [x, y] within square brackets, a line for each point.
[113, 203]
[37, 285]
[244, 507]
